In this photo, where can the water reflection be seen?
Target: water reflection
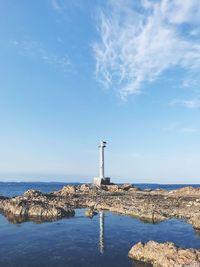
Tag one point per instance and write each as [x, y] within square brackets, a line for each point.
[102, 241]
[17, 219]
[101, 233]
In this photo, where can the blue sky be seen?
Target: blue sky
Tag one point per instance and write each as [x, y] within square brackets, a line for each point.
[75, 72]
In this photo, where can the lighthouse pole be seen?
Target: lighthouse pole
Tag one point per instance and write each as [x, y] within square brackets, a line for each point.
[101, 180]
[101, 169]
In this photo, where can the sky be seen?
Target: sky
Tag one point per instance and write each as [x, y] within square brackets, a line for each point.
[73, 73]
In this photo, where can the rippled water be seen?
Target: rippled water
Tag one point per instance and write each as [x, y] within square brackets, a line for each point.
[79, 241]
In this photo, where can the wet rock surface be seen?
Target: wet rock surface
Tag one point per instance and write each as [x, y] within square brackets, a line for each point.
[165, 255]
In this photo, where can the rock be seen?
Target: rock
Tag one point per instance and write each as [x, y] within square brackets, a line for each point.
[90, 212]
[127, 187]
[69, 189]
[189, 190]
[133, 190]
[195, 221]
[118, 188]
[164, 254]
[148, 190]
[35, 209]
[112, 188]
[85, 188]
[160, 190]
[3, 198]
[32, 194]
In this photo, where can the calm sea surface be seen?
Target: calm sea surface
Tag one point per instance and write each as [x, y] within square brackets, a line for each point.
[79, 241]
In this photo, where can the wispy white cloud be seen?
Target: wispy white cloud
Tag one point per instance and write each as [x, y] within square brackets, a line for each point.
[191, 104]
[179, 128]
[139, 42]
[190, 130]
[171, 128]
[136, 155]
[56, 5]
[34, 49]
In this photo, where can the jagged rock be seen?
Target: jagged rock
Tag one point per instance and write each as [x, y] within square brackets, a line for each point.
[188, 190]
[3, 198]
[159, 190]
[35, 209]
[112, 188]
[133, 190]
[85, 188]
[32, 194]
[90, 212]
[126, 187]
[195, 221]
[148, 190]
[164, 255]
[117, 188]
[69, 189]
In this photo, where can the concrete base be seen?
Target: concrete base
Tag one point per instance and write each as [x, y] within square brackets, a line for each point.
[101, 181]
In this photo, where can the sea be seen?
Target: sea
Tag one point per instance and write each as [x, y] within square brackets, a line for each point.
[103, 241]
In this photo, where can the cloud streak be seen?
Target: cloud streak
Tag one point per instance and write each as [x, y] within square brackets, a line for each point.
[56, 5]
[34, 49]
[178, 128]
[138, 43]
[190, 104]
[190, 130]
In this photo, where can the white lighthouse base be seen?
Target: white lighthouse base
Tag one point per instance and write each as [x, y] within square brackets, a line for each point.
[101, 181]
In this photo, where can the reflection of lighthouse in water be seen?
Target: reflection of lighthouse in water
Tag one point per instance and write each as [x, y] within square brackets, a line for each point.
[101, 233]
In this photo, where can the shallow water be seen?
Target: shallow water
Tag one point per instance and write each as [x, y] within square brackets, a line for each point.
[79, 241]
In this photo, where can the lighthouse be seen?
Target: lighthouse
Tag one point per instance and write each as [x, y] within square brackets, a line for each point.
[102, 180]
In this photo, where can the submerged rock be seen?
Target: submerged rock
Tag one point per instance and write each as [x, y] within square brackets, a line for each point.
[90, 212]
[164, 254]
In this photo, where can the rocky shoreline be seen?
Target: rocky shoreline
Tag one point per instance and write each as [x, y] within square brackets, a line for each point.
[149, 205]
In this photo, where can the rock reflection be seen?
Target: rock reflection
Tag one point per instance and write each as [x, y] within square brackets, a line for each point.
[16, 219]
[141, 264]
[197, 231]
